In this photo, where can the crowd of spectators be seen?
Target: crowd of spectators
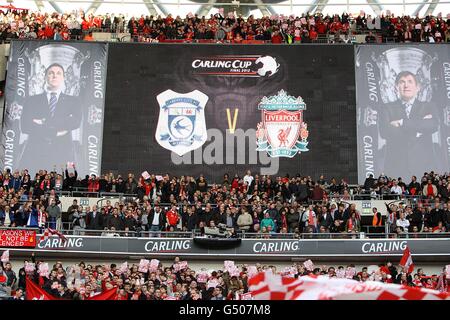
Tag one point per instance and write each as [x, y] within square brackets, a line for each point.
[249, 203]
[224, 28]
[180, 282]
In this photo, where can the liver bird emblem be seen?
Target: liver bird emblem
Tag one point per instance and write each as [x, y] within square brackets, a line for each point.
[283, 134]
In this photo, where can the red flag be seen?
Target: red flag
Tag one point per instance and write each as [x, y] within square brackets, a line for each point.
[59, 234]
[34, 292]
[49, 231]
[406, 261]
[110, 294]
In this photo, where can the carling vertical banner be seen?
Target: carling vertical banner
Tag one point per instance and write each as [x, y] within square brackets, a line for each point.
[403, 110]
[54, 106]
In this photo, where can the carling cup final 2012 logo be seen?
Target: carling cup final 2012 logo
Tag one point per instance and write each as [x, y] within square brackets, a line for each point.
[282, 125]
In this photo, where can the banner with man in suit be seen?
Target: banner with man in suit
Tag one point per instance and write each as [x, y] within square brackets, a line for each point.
[54, 106]
[403, 110]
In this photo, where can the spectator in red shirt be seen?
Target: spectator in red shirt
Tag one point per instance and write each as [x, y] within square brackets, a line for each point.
[122, 295]
[276, 37]
[161, 37]
[48, 32]
[65, 34]
[313, 34]
[93, 184]
[97, 22]
[318, 192]
[238, 38]
[172, 218]
[235, 183]
[85, 25]
[321, 27]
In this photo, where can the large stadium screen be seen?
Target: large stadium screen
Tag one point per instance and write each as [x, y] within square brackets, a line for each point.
[225, 109]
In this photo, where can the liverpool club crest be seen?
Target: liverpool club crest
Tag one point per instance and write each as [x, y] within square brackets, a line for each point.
[181, 125]
[282, 125]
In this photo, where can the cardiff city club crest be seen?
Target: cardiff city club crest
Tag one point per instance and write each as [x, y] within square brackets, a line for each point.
[181, 125]
[282, 125]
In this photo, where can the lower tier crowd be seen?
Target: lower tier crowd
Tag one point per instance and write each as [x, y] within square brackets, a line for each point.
[151, 280]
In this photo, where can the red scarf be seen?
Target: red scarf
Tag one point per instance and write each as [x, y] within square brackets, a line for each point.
[350, 224]
[430, 190]
[182, 191]
[42, 217]
[45, 184]
[310, 218]
[283, 221]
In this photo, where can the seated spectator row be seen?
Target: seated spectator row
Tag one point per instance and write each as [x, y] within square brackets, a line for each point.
[274, 29]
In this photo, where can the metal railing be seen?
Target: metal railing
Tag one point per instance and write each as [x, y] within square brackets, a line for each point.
[329, 196]
[359, 235]
[251, 235]
[243, 234]
[352, 194]
[84, 192]
[131, 234]
[109, 35]
[19, 228]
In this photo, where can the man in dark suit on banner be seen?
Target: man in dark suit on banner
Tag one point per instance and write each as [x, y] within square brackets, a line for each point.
[49, 119]
[408, 125]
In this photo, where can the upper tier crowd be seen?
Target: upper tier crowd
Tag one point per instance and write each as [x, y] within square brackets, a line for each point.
[250, 203]
[224, 28]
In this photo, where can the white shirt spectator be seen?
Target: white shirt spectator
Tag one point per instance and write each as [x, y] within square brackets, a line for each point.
[155, 221]
[72, 23]
[403, 223]
[249, 179]
[7, 221]
[396, 189]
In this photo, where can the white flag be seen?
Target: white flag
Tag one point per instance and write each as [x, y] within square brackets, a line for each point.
[5, 256]
[269, 286]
